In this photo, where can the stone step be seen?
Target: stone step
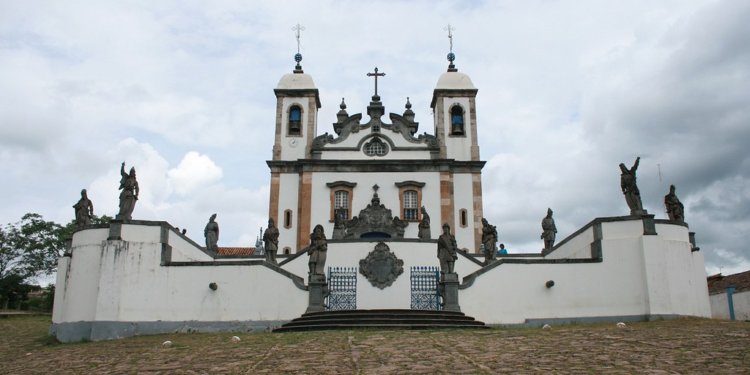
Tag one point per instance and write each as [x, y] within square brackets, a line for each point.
[381, 319]
[329, 327]
[356, 321]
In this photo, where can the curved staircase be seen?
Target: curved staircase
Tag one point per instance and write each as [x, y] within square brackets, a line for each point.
[381, 319]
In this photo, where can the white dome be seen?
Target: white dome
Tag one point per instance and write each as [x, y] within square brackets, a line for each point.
[296, 81]
[454, 81]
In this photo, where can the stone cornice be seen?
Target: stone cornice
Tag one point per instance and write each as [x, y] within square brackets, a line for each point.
[388, 165]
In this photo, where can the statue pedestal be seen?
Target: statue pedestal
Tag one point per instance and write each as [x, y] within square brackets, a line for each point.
[318, 289]
[449, 291]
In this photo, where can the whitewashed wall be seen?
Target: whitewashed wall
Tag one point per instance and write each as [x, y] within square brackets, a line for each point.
[720, 306]
[124, 282]
[639, 275]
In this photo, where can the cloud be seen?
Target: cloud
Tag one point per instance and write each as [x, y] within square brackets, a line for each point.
[194, 171]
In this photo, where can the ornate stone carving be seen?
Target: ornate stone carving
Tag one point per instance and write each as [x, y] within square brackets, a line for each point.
[375, 221]
[381, 267]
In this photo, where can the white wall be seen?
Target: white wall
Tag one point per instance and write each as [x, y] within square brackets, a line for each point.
[463, 199]
[124, 281]
[639, 275]
[288, 200]
[720, 305]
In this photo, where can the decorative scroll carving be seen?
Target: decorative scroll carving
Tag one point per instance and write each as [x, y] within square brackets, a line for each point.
[375, 221]
[381, 267]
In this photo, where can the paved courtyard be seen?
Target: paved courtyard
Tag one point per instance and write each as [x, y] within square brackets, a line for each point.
[683, 346]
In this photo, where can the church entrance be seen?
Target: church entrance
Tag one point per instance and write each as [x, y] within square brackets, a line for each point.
[425, 294]
[342, 288]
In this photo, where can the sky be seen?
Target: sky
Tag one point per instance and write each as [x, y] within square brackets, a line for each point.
[568, 89]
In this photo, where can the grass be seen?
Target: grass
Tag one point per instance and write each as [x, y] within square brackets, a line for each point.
[671, 346]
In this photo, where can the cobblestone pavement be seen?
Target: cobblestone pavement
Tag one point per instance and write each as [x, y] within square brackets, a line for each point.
[683, 346]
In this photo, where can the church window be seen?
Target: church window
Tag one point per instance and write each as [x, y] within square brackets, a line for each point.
[411, 207]
[341, 203]
[457, 120]
[464, 218]
[410, 193]
[376, 147]
[287, 250]
[288, 219]
[295, 120]
[341, 198]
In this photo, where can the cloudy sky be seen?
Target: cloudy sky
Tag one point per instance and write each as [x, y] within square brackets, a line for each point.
[183, 91]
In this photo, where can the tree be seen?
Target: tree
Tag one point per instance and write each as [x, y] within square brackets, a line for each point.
[28, 249]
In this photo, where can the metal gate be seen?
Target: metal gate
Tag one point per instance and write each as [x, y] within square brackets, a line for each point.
[425, 293]
[342, 288]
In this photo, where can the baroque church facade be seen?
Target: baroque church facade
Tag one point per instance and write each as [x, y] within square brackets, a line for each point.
[315, 177]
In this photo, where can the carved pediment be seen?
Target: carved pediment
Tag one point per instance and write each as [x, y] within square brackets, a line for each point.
[375, 221]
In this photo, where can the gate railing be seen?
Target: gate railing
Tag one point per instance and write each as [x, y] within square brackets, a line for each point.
[342, 288]
[425, 294]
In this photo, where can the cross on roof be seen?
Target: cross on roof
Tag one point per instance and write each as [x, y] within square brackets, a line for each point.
[376, 75]
[450, 30]
[297, 29]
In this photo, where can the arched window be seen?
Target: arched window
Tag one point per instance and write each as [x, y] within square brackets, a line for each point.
[457, 120]
[342, 193]
[287, 250]
[411, 205]
[287, 219]
[464, 218]
[295, 120]
[341, 203]
[410, 193]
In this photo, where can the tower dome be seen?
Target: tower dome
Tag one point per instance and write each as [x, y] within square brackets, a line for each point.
[454, 81]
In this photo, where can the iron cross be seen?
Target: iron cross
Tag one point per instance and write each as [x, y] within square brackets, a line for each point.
[297, 29]
[376, 74]
[450, 30]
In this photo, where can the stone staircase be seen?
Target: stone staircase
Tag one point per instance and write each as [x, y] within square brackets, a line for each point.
[381, 319]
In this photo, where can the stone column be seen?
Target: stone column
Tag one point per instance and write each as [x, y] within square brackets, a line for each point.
[318, 289]
[449, 291]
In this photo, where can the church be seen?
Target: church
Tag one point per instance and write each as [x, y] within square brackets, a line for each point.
[381, 193]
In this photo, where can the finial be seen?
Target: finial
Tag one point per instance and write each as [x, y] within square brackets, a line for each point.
[298, 56]
[408, 103]
[451, 55]
[375, 187]
[342, 105]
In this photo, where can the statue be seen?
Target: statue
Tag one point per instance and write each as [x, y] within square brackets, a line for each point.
[317, 251]
[271, 238]
[424, 226]
[212, 234]
[447, 250]
[675, 209]
[489, 239]
[83, 209]
[630, 189]
[339, 228]
[129, 194]
[399, 225]
[548, 230]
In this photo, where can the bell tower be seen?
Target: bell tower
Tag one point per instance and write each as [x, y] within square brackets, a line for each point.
[454, 107]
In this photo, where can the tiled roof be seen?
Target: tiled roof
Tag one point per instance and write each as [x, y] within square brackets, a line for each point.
[223, 251]
[719, 283]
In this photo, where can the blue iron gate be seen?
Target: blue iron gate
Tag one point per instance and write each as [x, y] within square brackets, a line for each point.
[342, 288]
[424, 288]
